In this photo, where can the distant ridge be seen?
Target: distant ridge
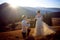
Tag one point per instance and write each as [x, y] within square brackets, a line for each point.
[8, 14]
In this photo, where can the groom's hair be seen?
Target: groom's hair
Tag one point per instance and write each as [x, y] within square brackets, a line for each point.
[23, 16]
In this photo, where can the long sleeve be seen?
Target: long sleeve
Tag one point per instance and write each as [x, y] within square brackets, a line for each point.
[24, 23]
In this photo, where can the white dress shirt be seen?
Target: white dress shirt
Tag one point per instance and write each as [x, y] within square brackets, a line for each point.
[25, 25]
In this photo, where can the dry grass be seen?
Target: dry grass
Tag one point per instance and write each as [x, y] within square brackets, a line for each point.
[12, 35]
[15, 35]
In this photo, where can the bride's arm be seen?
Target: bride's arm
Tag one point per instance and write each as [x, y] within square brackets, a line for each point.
[35, 18]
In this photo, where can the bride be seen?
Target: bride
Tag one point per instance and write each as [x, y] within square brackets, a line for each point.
[38, 28]
[41, 27]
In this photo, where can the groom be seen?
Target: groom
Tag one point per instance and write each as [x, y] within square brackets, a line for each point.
[25, 27]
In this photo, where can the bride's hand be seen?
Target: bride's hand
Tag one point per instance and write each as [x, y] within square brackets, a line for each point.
[35, 19]
[28, 22]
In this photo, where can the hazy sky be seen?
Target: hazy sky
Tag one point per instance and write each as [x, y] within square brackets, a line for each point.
[34, 3]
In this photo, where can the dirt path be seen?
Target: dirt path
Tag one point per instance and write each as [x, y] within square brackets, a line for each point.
[12, 35]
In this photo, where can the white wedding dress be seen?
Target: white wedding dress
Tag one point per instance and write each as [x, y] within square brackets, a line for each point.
[41, 27]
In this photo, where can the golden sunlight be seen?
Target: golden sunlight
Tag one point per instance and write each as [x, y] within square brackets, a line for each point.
[13, 3]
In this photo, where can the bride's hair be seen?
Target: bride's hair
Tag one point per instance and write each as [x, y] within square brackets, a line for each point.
[38, 11]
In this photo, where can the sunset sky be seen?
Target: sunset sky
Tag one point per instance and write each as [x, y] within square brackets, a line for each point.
[34, 3]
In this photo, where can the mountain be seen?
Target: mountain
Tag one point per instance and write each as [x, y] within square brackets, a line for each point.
[9, 14]
[49, 9]
[26, 11]
[32, 11]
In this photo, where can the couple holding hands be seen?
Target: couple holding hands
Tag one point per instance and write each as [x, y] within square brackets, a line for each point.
[26, 25]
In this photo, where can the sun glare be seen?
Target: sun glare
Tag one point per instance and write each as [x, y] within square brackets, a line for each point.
[13, 6]
[26, 3]
[30, 3]
[23, 3]
[13, 3]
